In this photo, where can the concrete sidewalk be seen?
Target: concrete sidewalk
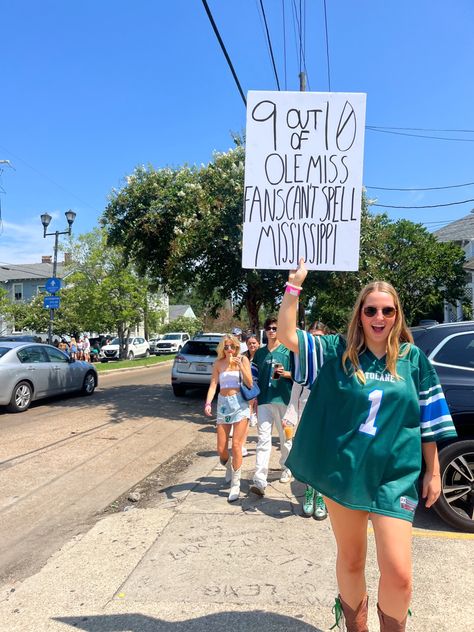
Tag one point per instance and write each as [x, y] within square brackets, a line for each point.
[195, 563]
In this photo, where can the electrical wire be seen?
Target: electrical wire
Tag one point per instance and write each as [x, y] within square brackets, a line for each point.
[452, 186]
[422, 129]
[424, 206]
[270, 45]
[226, 55]
[327, 46]
[386, 131]
[284, 40]
[296, 23]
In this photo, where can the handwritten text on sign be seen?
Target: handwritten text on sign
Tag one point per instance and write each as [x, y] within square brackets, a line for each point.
[303, 180]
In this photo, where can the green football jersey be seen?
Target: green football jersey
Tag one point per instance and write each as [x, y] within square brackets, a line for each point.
[272, 391]
[360, 444]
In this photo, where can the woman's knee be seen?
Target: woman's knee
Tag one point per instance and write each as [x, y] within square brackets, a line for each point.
[352, 560]
[398, 577]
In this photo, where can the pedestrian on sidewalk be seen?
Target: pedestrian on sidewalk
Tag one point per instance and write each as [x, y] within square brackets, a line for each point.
[229, 371]
[313, 504]
[375, 409]
[272, 362]
[252, 345]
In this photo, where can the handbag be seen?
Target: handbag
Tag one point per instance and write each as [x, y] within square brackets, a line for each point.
[249, 393]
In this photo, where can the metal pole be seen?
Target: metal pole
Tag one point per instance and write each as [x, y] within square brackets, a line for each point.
[55, 267]
[300, 311]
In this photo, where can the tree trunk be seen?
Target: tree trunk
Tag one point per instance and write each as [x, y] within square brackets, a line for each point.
[252, 305]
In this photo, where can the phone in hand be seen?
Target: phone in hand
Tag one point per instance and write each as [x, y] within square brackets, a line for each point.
[276, 375]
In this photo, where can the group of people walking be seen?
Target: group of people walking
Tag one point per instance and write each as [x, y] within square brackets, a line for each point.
[367, 409]
[79, 349]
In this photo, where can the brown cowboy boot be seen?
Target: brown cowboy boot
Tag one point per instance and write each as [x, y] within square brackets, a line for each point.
[389, 624]
[356, 620]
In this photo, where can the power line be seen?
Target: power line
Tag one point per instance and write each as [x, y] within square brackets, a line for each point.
[270, 44]
[284, 39]
[299, 49]
[387, 131]
[422, 129]
[452, 186]
[327, 45]
[424, 206]
[219, 38]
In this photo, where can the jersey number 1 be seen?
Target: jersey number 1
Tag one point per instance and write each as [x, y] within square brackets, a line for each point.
[369, 426]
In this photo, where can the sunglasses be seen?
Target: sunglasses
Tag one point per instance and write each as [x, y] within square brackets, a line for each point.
[388, 312]
[227, 347]
[271, 329]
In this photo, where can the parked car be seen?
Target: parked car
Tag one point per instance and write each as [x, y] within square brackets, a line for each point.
[192, 367]
[137, 348]
[19, 338]
[172, 342]
[153, 342]
[32, 371]
[450, 347]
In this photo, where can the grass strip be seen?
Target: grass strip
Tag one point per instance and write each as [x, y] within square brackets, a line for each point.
[127, 364]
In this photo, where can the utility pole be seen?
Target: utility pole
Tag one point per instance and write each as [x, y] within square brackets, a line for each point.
[301, 314]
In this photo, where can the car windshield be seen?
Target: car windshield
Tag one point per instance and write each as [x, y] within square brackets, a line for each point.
[171, 337]
[3, 351]
[200, 348]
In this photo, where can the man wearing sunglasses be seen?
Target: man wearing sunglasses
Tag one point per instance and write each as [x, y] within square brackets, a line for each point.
[272, 364]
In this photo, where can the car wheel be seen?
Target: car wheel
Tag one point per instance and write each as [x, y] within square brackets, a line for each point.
[147, 353]
[104, 360]
[21, 398]
[456, 503]
[179, 390]
[88, 386]
[131, 355]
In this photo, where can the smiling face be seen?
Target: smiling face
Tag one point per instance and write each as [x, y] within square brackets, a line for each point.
[252, 345]
[377, 316]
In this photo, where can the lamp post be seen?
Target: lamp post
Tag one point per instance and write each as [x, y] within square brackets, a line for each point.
[46, 220]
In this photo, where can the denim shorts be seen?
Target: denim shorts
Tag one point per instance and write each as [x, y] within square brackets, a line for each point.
[232, 409]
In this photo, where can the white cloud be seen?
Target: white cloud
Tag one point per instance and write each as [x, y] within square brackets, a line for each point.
[24, 243]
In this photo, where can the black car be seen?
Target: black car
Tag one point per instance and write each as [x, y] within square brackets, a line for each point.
[450, 347]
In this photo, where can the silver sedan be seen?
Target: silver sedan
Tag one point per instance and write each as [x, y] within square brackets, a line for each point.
[31, 371]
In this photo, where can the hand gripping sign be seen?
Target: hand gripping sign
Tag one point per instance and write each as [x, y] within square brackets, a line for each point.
[303, 180]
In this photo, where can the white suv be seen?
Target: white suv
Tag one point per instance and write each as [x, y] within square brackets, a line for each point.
[172, 342]
[137, 347]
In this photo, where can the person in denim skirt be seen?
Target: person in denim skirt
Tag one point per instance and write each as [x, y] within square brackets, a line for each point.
[229, 371]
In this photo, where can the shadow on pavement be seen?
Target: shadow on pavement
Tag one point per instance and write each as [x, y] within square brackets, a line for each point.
[136, 401]
[243, 621]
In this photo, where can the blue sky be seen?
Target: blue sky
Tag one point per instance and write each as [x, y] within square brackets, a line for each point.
[89, 90]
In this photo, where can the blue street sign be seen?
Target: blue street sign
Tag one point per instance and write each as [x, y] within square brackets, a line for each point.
[53, 285]
[51, 302]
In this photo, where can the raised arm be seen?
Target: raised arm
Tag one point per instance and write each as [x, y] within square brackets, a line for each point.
[288, 309]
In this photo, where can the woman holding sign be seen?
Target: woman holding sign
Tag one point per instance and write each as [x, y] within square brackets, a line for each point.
[229, 371]
[376, 407]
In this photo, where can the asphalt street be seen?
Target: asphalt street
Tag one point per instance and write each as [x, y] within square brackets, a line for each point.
[65, 459]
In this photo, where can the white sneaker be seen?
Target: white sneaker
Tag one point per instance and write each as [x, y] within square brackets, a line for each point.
[245, 452]
[285, 476]
[257, 488]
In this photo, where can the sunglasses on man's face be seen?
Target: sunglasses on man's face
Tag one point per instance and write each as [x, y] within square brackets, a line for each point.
[271, 329]
[388, 312]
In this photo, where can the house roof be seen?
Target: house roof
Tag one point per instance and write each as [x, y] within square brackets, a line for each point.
[27, 271]
[460, 230]
[175, 311]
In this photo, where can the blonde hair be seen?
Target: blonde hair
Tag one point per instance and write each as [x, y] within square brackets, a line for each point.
[220, 347]
[355, 334]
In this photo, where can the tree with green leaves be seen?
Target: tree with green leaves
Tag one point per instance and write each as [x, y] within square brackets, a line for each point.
[183, 228]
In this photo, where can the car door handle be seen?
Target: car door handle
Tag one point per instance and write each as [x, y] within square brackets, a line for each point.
[56, 368]
[31, 368]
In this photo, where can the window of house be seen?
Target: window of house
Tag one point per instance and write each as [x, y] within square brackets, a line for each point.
[41, 289]
[18, 291]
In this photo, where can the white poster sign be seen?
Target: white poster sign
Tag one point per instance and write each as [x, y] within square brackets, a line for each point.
[303, 180]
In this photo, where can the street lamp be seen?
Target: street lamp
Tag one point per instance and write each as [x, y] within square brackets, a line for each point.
[46, 220]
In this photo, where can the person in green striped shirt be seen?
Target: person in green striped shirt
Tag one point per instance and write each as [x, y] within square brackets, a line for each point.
[376, 409]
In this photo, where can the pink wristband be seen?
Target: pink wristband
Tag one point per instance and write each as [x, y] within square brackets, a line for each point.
[292, 290]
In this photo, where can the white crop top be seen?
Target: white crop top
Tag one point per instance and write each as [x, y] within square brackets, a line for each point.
[229, 379]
